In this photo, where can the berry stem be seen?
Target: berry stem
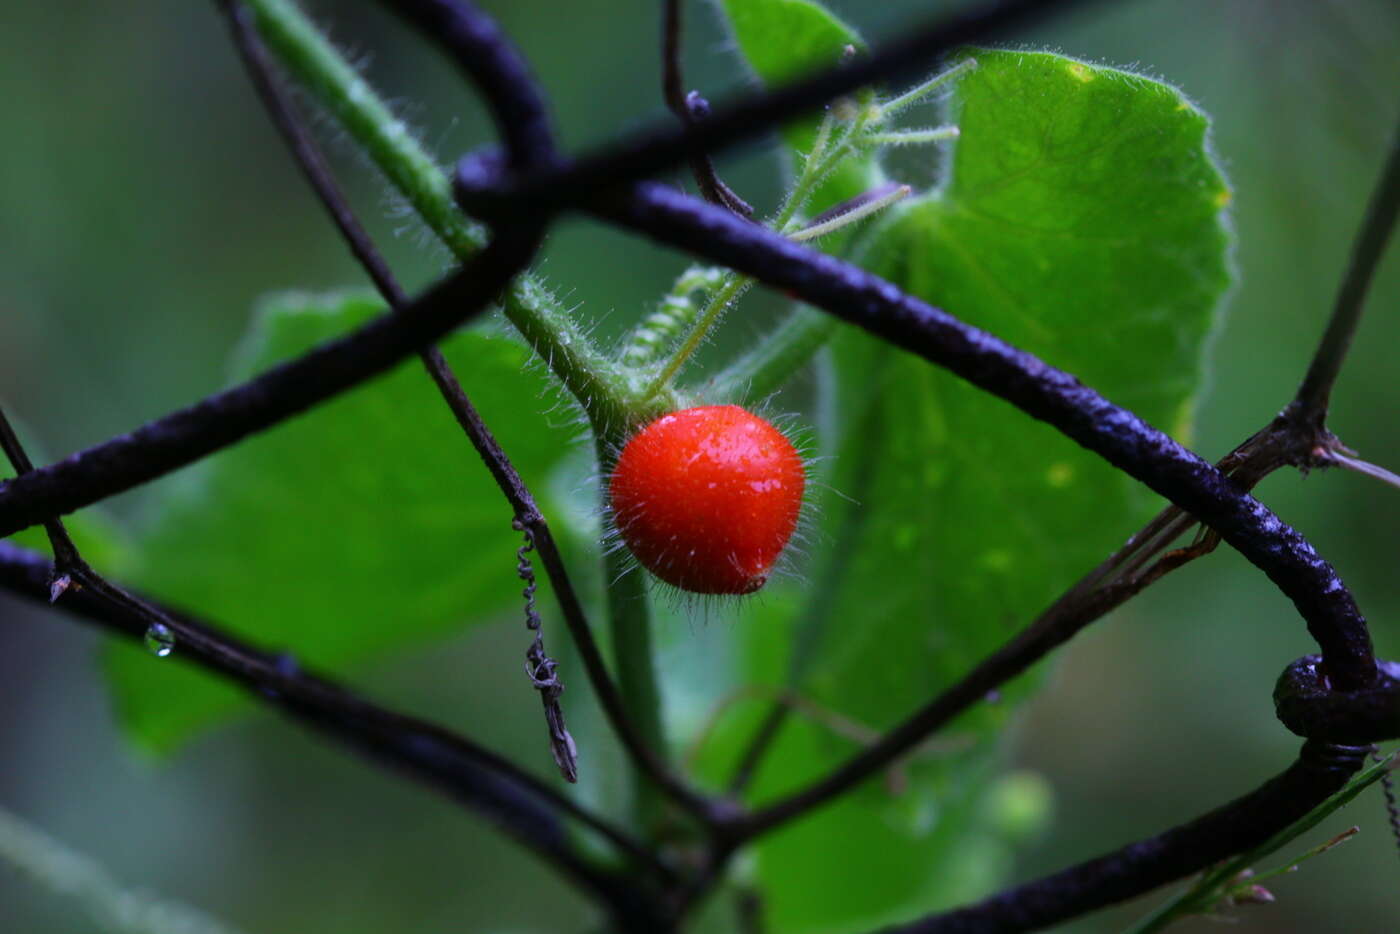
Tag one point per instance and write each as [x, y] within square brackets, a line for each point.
[629, 617]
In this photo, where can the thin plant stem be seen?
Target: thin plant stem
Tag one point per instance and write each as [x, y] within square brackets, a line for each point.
[1207, 889]
[720, 299]
[821, 160]
[629, 615]
[851, 215]
[487, 57]
[818, 610]
[937, 134]
[782, 352]
[527, 517]
[1365, 468]
[1120, 577]
[1316, 390]
[733, 284]
[921, 91]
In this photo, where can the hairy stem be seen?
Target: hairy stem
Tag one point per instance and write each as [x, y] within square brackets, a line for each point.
[780, 354]
[1316, 390]
[823, 158]
[924, 89]
[629, 614]
[533, 310]
[721, 298]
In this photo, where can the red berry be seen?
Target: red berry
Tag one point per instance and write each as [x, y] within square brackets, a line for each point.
[707, 498]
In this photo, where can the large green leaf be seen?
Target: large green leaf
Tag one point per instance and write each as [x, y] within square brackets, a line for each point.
[365, 525]
[1082, 220]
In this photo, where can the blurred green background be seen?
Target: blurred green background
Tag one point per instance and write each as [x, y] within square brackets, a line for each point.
[145, 204]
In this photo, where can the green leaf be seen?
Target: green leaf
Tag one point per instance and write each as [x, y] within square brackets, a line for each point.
[1081, 221]
[366, 525]
[782, 40]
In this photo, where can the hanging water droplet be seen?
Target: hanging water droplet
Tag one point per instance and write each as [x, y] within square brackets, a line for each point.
[160, 641]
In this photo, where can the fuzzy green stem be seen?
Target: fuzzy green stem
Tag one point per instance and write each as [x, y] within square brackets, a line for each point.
[629, 614]
[847, 217]
[933, 134]
[920, 91]
[772, 362]
[317, 65]
[657, 331]
[733, 286]
[811, 174]
[822, 158]
[540, 318]
[791, 346]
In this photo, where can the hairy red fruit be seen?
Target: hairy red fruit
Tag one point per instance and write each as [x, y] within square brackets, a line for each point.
[707, 498]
